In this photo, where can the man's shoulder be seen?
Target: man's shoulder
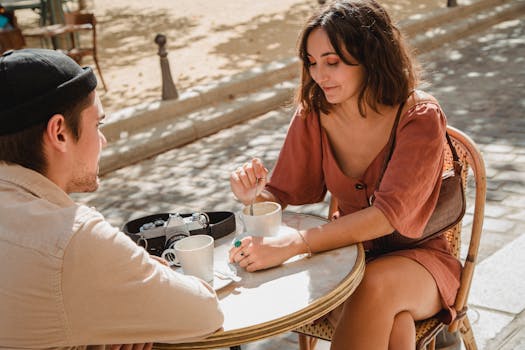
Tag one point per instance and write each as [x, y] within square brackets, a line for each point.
[37, 225]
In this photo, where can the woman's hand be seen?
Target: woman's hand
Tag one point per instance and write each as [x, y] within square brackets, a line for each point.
[244, 179]
[257, 253]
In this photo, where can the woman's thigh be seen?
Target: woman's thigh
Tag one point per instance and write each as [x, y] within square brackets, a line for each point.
[402, 284]
[397, 283]
[392, 286]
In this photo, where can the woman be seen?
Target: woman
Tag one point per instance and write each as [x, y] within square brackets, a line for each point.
[357, 74]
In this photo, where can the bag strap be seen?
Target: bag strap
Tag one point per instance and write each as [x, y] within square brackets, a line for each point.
[455, 156]
[391, 145]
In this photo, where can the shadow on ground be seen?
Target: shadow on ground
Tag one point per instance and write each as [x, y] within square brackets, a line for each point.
[132, 33]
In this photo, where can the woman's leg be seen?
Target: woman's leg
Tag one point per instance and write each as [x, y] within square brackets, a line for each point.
[403, 334]
[391, 286]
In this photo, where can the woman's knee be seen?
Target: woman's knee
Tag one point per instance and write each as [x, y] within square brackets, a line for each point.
[374, 285]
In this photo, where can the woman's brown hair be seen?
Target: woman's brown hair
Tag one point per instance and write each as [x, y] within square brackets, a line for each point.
[363, 29]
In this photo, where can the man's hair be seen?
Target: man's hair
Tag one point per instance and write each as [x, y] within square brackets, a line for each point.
[25, 147]
[363, 29]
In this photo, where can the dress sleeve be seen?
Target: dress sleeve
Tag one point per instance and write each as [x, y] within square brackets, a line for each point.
[115, 293]
[410, 187]
[297, 177]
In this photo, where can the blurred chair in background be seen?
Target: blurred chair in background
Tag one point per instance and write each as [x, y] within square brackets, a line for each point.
[70, 33]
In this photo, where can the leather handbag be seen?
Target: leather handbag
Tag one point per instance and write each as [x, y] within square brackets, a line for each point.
[155, 234]
[449, 210]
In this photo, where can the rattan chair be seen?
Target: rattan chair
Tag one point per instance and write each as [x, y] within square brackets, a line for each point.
[427, 330]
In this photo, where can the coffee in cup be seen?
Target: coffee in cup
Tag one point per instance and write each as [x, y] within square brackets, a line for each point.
[265, 221]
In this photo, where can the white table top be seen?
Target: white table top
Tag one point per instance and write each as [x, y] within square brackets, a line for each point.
[273, 301]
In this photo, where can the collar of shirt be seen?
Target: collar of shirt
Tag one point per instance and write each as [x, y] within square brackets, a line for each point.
[35, 183]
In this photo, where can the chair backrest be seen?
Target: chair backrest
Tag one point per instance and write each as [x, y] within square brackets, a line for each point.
[76, 23]
[471, 158]
[79, 18]
[11, 40]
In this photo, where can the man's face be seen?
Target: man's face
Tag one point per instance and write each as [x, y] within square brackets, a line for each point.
[86, 151]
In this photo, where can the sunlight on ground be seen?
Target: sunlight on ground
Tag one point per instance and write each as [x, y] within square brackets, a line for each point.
[207, 40]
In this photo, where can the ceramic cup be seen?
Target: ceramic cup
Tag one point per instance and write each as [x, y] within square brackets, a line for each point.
[195, 255]
[265, 221]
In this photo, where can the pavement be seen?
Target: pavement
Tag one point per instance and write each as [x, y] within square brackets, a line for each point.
[479, 81]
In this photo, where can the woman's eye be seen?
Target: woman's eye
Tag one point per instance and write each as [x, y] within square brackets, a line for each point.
[99, 124]
[332, 63]
[311, 64]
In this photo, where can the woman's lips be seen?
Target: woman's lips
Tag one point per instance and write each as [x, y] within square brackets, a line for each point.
[328, 88]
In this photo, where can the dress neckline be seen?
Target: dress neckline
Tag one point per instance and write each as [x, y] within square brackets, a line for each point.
[326, 145]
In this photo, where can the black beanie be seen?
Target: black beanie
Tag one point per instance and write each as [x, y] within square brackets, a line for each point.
[35, 84]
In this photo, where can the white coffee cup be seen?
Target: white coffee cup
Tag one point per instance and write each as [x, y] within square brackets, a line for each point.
[265, 221]
[195, 254]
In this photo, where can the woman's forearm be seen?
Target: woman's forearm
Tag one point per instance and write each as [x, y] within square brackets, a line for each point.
[360, 226]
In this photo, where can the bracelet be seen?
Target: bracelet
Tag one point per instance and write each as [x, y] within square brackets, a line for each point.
[309, 255]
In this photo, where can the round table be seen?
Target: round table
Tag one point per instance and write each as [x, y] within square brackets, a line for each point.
[281, 299]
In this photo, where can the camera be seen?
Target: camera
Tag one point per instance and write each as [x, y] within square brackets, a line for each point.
[160, 231]
[176, 222]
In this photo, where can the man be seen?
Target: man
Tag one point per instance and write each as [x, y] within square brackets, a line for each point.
[68, 278]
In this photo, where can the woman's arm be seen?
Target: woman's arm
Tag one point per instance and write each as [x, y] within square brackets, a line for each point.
[363, 225]
[256, 253]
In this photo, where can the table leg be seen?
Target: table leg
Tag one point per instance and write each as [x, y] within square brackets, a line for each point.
[43, 13]
[56, 16]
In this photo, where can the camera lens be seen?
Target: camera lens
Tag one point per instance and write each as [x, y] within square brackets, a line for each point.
[172, 239]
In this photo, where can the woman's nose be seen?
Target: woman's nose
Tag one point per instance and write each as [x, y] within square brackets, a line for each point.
[319, 74]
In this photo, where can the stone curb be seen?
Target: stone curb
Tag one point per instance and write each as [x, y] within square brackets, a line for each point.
[143, 115]
[145, 130]
[182, 130]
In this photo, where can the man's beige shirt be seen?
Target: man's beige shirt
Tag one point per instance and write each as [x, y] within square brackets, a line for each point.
[68, 278]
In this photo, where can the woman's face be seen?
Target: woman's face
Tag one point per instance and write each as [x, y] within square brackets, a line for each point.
[339, 81]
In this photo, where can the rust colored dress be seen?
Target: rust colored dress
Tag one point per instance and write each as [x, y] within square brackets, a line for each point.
[307, 168]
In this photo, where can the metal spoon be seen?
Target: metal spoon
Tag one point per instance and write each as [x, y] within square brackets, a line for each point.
[254, 196]
[223, 275]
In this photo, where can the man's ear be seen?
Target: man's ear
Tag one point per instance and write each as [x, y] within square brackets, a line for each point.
[56, 133]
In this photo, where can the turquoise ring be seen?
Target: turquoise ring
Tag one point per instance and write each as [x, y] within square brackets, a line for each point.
[237, 244]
